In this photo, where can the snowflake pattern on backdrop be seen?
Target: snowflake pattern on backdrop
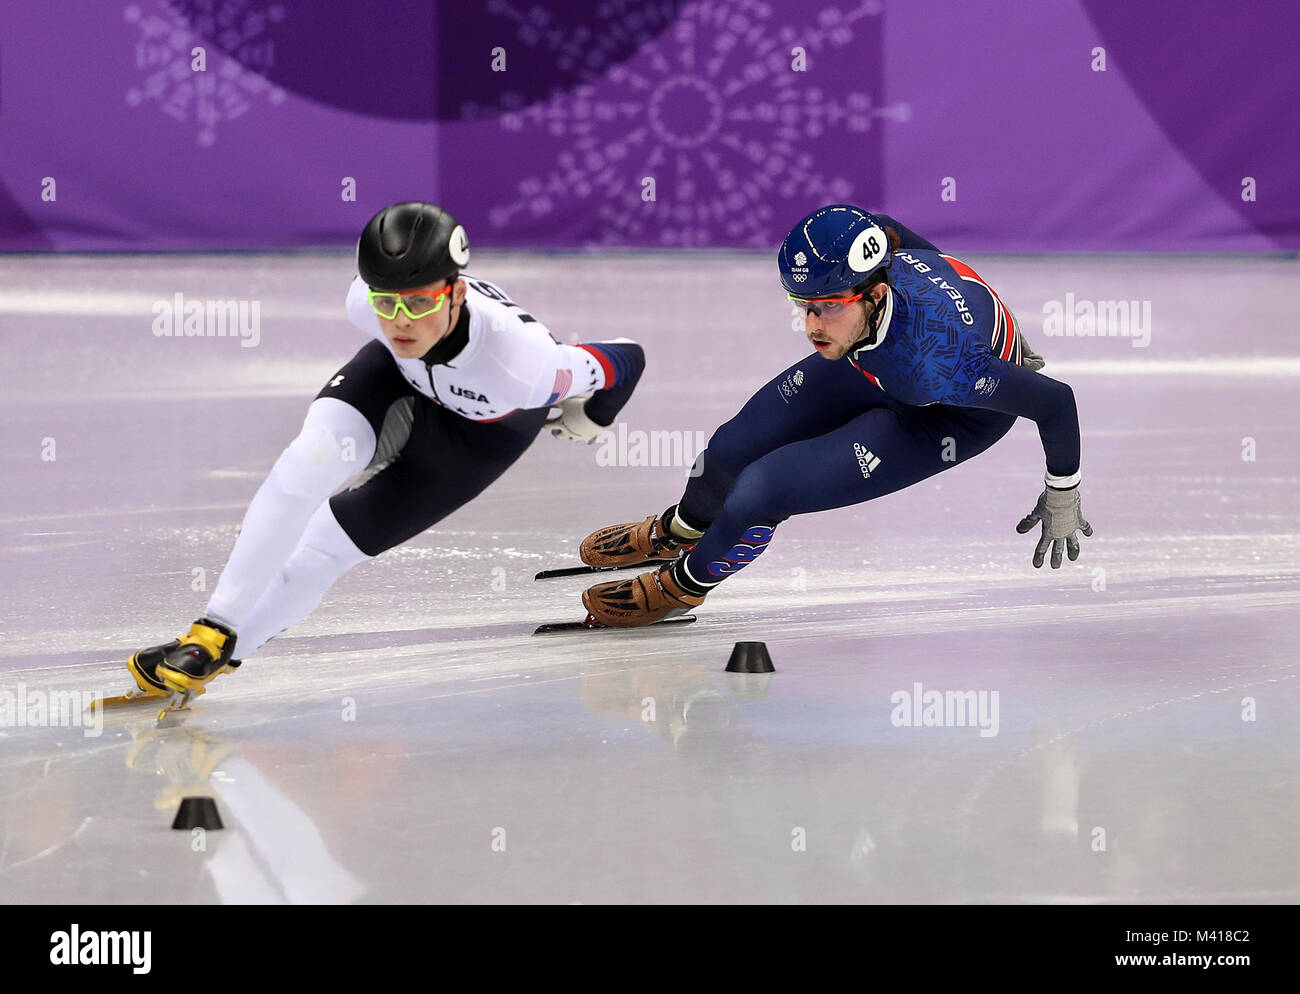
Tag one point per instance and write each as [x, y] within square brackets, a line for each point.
[233, 36]
[711, 109]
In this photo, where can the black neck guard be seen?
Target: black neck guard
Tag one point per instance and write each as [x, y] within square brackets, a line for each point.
[451, 346]
[869, 333]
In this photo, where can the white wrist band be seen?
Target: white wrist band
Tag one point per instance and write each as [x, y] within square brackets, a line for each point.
[1063, 482]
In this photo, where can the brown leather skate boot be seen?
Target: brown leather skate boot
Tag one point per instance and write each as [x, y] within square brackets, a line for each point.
[645, 541]
[643, 600]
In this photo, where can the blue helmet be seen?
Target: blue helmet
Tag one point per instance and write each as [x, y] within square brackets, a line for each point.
[832, 250]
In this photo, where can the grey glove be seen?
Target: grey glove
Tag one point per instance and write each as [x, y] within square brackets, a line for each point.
[1061, 516]
[1028, 357]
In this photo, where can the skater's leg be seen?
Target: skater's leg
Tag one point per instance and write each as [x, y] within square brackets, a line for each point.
[812, 397]
[442, 465]
[323, 555]
[313, 466]
[338, 439]
[877, 453]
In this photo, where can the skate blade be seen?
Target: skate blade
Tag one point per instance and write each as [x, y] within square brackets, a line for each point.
[590, 625]
[123, 700]
[643, 564]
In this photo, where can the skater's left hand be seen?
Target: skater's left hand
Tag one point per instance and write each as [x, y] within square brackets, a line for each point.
[1061, 515]
[572, 422]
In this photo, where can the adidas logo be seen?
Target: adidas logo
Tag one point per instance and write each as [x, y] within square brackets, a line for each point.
[867, 460]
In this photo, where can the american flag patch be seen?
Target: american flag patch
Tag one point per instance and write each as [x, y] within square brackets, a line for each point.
[563, 380]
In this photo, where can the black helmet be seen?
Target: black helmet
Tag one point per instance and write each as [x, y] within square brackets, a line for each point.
[411, 245]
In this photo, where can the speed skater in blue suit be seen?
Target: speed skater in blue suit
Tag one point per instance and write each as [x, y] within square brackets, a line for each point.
[918, 365]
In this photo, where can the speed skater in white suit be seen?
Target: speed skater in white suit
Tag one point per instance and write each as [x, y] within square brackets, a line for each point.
[457, 383]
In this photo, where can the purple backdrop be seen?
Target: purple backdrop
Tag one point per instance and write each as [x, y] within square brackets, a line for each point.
[983, 126]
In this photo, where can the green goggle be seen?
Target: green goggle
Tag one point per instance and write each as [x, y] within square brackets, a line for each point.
[416, 303]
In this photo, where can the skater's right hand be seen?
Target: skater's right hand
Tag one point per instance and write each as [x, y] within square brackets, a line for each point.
[1061, 515]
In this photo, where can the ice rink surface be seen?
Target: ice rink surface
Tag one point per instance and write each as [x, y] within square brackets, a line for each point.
[412, 741]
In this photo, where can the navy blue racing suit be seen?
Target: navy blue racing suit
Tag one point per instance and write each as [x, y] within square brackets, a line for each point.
[939, 382]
